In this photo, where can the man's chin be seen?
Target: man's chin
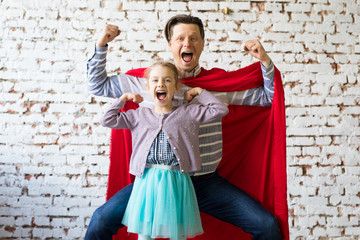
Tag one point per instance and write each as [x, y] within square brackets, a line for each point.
[187, 67]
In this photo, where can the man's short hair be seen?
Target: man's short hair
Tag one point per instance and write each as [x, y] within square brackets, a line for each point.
[186, 19]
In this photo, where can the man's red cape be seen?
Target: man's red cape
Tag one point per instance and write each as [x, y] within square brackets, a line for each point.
[254, 149]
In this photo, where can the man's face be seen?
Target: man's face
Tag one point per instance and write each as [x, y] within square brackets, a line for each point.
[186, 46]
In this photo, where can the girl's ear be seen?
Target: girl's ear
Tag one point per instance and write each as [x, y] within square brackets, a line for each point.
[178, 85]
[147, 86]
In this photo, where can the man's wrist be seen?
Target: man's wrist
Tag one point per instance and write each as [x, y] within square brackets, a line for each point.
[268, 67]
[99, 48]
[266, 62]
[100, 43]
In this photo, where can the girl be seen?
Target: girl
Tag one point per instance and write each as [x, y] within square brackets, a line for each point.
[165, 150]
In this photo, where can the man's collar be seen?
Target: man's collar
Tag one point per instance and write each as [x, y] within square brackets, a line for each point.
[193, 73]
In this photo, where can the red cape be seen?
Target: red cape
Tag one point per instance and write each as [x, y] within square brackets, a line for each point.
[254, 149]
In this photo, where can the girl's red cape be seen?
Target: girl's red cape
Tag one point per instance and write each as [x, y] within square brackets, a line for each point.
[254, 150]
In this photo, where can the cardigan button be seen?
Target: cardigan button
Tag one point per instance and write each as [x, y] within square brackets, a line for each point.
[182, 170]
[174, 148]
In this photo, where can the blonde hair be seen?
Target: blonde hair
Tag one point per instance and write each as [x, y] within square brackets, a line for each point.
[168, 65]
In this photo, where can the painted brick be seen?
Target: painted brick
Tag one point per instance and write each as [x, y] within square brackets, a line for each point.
[287, 27]
[276, 7]
[131, 6]
[239, 16]
[304, 7]
[302, 17]
[203, 6]
[51, 140]
[236, 6]
[352, 231]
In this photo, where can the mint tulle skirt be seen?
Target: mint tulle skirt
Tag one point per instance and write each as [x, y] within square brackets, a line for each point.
[163, 205]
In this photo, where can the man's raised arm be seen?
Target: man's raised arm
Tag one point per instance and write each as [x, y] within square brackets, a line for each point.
[260, 96]
[99, 83]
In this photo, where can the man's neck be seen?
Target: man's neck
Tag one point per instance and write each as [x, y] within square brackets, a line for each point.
[181, 74]
[184, 74]
[192, 73]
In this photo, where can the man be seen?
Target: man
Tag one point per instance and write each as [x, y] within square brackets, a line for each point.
[185, 36]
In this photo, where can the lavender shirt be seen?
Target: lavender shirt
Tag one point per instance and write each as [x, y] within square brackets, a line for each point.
[180, 125]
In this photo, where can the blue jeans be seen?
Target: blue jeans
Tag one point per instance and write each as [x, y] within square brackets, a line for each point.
[216, 197]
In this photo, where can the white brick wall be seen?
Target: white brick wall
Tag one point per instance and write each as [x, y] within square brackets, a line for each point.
[54, 155]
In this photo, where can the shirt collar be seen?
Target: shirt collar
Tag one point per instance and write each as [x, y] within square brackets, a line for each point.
[193, 73]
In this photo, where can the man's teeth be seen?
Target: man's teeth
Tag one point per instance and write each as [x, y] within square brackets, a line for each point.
[187, 57]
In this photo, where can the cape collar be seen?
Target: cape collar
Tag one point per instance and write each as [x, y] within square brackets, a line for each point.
[193, 73]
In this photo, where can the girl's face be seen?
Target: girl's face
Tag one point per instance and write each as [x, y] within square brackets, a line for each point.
[162, 86]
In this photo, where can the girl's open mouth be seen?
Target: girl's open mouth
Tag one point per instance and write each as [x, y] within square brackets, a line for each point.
[161, 96]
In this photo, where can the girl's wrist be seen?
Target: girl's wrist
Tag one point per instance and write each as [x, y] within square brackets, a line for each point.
[123, 97]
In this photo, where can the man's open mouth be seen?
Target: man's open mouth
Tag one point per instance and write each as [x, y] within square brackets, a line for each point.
[187, 56]
[161, 95]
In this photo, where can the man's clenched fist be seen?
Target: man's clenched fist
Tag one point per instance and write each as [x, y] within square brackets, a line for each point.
[108, 34]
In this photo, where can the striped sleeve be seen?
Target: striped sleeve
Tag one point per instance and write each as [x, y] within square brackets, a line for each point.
[261, 96]
[99, 83]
